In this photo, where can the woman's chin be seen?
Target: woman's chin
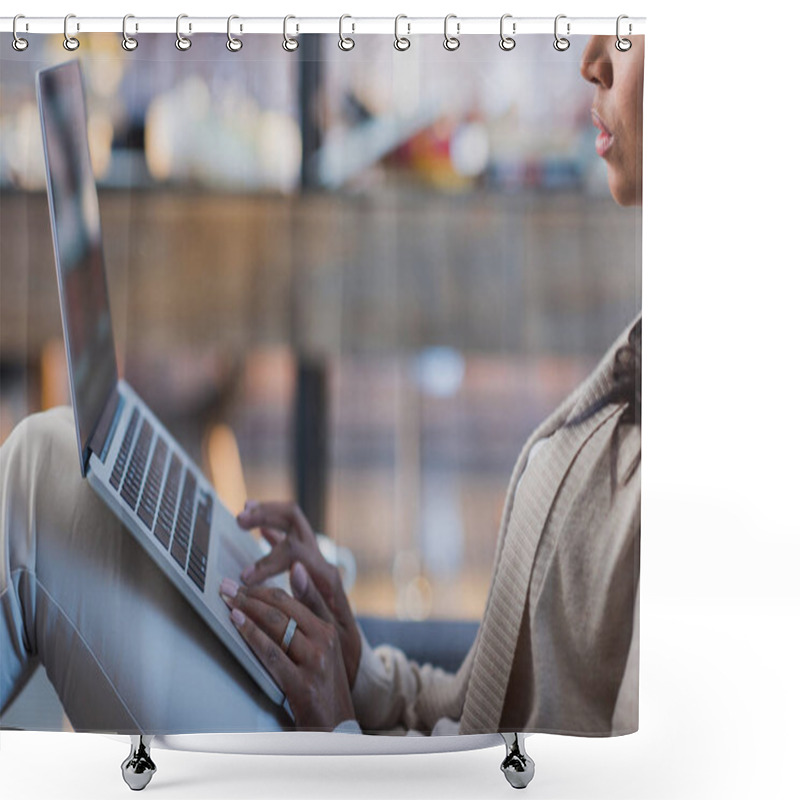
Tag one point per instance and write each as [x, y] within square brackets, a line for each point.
[625, 192]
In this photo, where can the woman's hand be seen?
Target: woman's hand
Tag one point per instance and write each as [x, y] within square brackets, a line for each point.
[309, 669]
[285, 527]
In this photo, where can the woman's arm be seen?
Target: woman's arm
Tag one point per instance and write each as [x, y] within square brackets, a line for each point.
[393, 693]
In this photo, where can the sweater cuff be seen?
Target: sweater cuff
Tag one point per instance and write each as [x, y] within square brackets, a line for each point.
[370, 678]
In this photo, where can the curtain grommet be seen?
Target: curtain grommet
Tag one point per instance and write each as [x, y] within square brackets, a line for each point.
[233, 44]
[129, 43]
[181, 42]
[451, 43]
[507, 43]
[17, 42]
[401, 43]
[623, 45]
[561, 43]
[290, 43]
[346, 43]
[70, 42]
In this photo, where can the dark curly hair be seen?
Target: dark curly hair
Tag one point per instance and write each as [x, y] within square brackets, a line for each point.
[627, 376]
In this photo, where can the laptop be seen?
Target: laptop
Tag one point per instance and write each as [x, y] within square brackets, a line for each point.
[129, 458]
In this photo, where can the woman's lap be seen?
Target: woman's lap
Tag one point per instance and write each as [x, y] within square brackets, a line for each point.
[124, 651]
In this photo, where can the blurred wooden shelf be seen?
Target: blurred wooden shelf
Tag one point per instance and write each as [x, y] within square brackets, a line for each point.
[331, 273]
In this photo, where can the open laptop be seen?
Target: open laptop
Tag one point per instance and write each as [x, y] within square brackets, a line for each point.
[126, 454]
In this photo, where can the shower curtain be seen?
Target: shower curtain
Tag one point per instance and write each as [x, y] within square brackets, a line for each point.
[398, 286]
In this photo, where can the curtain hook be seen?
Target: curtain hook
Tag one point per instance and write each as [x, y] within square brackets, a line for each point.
[623, 45]
[18, 43]
[128, 42]
[401, 43]
[290, 43]
[70, 42]
[346, 42]
[451, 43]
[507, 42]
[181, 42]
[233, 44]
[561, 43]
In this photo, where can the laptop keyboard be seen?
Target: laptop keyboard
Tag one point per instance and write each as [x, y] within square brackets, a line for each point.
[180, 539]
[169, 499]
[185, 534]
[122, 456]
[149, 502]
[135, 472]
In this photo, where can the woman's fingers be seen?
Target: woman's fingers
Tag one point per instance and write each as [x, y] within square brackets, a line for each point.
[315, 582]
[285, 527]
[271, 609]
[278, 664]
[278, 560]
[306, 592]
[312, 672]
[273, 536]
[285, 517]
[323, 593]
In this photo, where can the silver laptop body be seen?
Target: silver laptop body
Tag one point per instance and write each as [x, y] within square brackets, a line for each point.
[129, 458]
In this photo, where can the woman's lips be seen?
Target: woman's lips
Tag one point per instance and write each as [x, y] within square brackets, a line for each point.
[604, 140]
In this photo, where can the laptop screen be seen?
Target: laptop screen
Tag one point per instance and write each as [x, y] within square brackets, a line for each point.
[75, 220]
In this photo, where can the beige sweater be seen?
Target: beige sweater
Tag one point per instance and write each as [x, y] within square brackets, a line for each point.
[557, 650]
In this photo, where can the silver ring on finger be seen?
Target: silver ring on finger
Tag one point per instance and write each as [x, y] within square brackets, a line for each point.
[288, 634]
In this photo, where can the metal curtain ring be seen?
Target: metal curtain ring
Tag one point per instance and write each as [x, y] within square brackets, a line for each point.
[128, 42]
[623, 45]
[288, 634]
[181, 42]
[346, 42]
[70, 42]
[18, 43]
[507, 42]
[290, 43]
[451, 43]
[233, 44]
[401, 43]
[561, 43]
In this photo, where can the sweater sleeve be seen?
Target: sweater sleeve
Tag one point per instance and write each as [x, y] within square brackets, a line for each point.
[396, 695]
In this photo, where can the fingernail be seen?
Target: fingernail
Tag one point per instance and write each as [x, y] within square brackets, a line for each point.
[247, 573]
[228, 587]
[237, 617]
[299, 579]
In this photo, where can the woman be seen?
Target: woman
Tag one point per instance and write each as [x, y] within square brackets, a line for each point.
[556, 649]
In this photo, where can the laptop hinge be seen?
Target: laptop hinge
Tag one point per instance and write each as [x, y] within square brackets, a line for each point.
[104, 432]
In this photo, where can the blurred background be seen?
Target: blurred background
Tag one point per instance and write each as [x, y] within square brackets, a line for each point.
[359, 280]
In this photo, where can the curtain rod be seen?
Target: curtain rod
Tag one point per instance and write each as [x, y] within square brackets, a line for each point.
[406, 26]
